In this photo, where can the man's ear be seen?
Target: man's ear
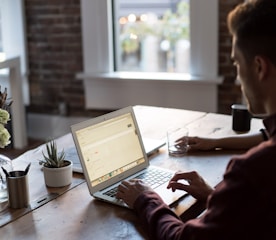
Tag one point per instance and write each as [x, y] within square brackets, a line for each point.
[261, 67]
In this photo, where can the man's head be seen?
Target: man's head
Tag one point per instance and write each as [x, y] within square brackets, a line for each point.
[252, 25]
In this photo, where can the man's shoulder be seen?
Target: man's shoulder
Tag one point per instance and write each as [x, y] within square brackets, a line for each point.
[258, 162]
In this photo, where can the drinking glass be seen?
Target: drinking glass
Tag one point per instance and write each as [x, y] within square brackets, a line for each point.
[177, 140]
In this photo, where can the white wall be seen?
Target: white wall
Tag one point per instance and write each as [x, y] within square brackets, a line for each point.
[107, 92]
[45, 127]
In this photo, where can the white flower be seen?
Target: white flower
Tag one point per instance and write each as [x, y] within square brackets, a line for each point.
[4, 136]
[4, 116]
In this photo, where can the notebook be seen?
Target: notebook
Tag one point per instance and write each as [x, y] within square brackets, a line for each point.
[152, 146]
[110, 149]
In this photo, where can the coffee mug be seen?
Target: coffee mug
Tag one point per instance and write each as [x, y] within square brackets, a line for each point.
[241, 118]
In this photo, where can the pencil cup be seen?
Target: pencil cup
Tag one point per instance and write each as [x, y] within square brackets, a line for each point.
[177, 141]
[18, 189]
[241, 118]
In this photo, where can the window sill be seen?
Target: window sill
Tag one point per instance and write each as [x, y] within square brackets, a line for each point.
[120, 89]
[156, 77]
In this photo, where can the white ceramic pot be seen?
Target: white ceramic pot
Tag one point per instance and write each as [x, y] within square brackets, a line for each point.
[58, 177]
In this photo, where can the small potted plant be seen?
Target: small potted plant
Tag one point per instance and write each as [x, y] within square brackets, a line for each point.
[57, 171]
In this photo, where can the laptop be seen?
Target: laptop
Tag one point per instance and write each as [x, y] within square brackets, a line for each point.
[110, 149]
[152, 147]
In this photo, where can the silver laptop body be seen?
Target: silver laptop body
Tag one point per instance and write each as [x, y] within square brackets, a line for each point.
[110, 149]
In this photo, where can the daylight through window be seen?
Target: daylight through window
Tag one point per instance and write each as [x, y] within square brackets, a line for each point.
[152, 36]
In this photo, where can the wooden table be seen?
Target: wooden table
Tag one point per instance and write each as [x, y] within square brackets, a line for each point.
[71, 213]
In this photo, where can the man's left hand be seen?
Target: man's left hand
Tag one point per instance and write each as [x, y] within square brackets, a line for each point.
[129, 191]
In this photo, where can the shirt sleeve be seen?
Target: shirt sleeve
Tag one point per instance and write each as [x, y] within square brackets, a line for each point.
[159, 220]
[229, 213]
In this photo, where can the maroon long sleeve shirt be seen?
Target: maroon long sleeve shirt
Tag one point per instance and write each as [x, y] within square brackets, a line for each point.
[243, 206]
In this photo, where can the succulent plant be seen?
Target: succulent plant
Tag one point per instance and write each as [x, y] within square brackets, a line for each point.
[53, 159]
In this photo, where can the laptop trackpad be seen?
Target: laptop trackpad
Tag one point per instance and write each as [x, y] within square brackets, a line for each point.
[170, 197]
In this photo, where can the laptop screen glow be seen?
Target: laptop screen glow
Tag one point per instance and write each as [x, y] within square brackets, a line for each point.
[110, 148]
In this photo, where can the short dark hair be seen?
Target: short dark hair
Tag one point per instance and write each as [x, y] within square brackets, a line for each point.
[253, 23]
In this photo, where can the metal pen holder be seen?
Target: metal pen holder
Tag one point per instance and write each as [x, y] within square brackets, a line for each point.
[18, 189]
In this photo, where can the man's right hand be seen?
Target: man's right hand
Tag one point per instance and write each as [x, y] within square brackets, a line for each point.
[194, 185]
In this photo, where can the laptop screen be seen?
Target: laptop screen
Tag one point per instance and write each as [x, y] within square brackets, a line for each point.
[109, 148]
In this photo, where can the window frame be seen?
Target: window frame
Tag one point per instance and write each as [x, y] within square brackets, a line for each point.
[13, 30]
[98, 56]
[14, 40]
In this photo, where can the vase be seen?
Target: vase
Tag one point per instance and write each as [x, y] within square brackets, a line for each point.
[6, 164]
[58, 177]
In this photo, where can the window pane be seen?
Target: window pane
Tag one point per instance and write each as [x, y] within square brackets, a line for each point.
[2, 54]
[152, 35]
[1, 45]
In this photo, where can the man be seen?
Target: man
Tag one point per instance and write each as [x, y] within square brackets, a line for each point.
[243, 206]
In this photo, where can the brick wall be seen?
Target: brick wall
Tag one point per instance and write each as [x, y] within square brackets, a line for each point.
[55, 56]
[229, 92]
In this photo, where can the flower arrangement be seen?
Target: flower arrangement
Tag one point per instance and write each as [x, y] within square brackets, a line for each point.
[4, 118]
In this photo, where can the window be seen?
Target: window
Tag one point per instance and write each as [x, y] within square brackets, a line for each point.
[152, 36]
[12, 39]
[109, 87]
[1, 45]
[2, 53]
[98, 41]
[12, 30]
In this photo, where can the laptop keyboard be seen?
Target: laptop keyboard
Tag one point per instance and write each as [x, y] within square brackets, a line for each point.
[153, 177]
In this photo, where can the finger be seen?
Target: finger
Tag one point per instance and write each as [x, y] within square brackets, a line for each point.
[193, 146]
[128, 183]
[189, 148]
[135, 180]
[182, 175]
[122, 188]
[120, 193]
[178, 186]
[124, 182]
[192, 140]
[181, 144]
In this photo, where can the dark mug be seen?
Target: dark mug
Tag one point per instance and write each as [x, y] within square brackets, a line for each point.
[241, 118]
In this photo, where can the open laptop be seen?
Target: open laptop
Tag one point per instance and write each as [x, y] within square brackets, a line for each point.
[152, 146]
[110, 150]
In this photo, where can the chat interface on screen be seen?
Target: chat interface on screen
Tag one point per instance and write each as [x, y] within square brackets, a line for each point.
[110, 148]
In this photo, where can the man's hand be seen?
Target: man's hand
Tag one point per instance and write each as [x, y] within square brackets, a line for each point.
[129, 191]
[195, 186]
[198, 143]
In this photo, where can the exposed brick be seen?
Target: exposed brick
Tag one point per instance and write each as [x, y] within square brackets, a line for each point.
[55, 55]
[229, 92]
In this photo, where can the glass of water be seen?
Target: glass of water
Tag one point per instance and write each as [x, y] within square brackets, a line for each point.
[177, 141]
[6, 163]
